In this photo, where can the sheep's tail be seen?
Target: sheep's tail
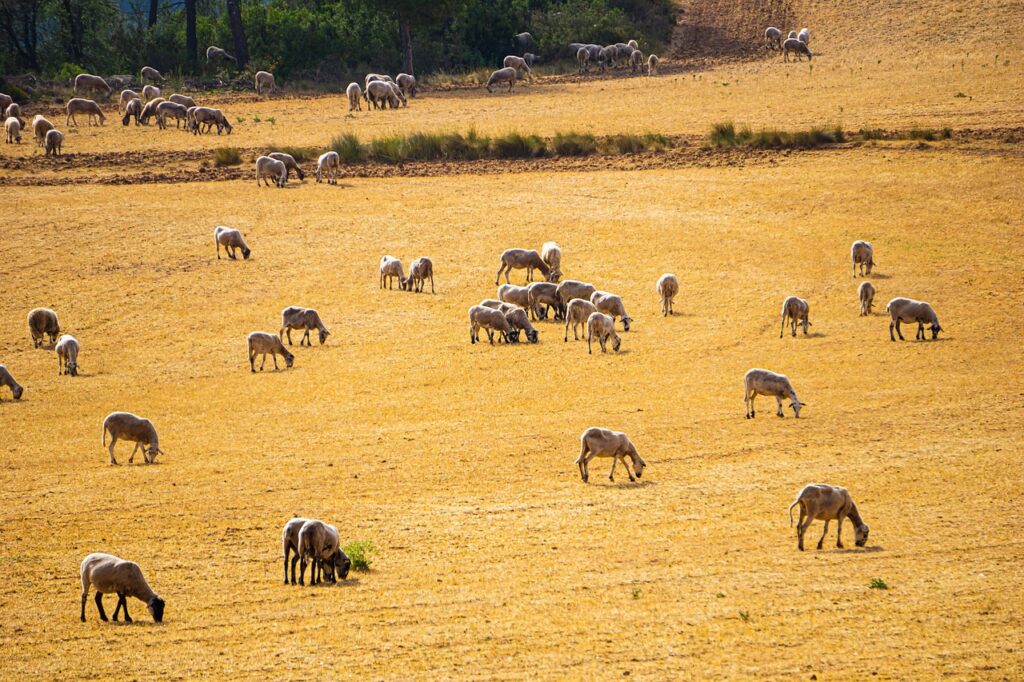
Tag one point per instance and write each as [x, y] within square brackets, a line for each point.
[795, 503]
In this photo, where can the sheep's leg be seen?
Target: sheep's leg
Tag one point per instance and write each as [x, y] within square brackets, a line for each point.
[295, 560]
[589, 349]
[287, 550]
[497, 277]
[99, 606]
[302, 571]
[117, 606]
[305, 338]
[839, 532]
[113, 439]
[748, 403]
[800, 530]
[919, 336]
[431, 282]
[490, 336]
[263, 361]
[274, 356]
[779, 399]
[823, 534]
[898, 332]
[782, 329]
[566, 339]
[134, 450]
[85, 595]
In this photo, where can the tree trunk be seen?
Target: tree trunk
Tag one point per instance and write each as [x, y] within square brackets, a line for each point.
[238, 33]
[75, 30]
[154, 5]
[190, 33]
[406, 34]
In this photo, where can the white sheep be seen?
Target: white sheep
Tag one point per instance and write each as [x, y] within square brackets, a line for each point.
[518, 259]
[420, 271]
[273, 169]
[611, 305]
[77, 105]
[827, 502]
[866, 294]
[319, 543]
[289, 162]
[773, 38]
[407, 82]
[598, 442]
[305, 319]
[108, 574]
[633, 44]
[507, 74]
[150, 92]
[551, 254]
[379, 93]
[5, 101]
[12, 126]
[636, 61]
[517, 295]
[179, 112]
[519, 64]
[804, 36]
[390, 270]
[40, 126]
[797, 311]
[602, 327]
[544, 297]
[132, 110]
[130, 427]
[583, 59]
[518, 320]
[490, 320]
[652, 65]
[184, 100]
[862, 254]
[331, 162]
[7, 379]
[797, 47]
[765, 382]
[571, 288]
[67, 350]
[43, 321]
[149, 73]
[667, 287]
[209, 117]
[264, 344]
[232, 240]
[14, 111]
[355, 94]
[54, 140]
[264, 82]
[85, 81]
[217, 54]
[290, 544]
[908, 310]
[397, 92]
[494, 303]
[149, 111]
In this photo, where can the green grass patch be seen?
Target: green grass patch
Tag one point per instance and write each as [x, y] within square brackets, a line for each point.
[226, 156]
[518, 146]
[574, 144]
[878, 584]
[349, 148]
[300, 154]
[359, 552]
[727, 135]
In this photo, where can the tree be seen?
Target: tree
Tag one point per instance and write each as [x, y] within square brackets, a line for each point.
[20, 21]
[190, 33]
[412, 13]
[238, 33]
[154, 5]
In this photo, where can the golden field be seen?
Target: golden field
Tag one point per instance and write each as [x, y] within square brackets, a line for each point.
[493, 559]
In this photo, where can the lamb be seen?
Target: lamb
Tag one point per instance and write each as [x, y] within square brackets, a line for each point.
[306, 319]
[491, 321]
[668, 287]
[354, 93]
[583, 59]
[129, 427]
[551, 254]
[407, 82]
[827, 502]
[603, 327]
[797, 310]
[764, 382]
[501, 76]
[149, 73]
[40, 126]
[110, 575]
[421, 269]
[13, 129]
[184, 100]
[597, 442]
[209, 117]
[773, 38]
[522, 258]
[519, 64]
[54, 139]
[909, 310]
[543, 297]
[263, 343]
[5, 101]
[570, 289]
[67, 355]
[391, 269]
[43, 321]
[6, 379]
[319, 543]
[264, 83]
[149, 110]
[267, 167]
[804, 36]
[77, 105]
[134, 110]
[85, 81]
[14, 110]
[611, 305]
[862, 254]
[866, 294]
[636, 60]
[289, 162]
[510, 293]
[216, 54]
[331, 162]
[791, 36]
[652, 65]
[231, 239]
[150, 92]
[798, 47]
[380, 92]
[179, 112]
[518, 320]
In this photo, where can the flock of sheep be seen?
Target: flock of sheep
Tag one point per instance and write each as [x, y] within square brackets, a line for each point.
[795, 43]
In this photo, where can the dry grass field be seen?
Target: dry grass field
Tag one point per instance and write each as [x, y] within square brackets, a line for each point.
[457, 461]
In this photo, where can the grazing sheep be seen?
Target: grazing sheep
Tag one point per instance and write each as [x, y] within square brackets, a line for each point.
[132, 110]
[633, 44]
[583, 59]
[764, 382]
[597, 442]
[522, 41]
[519, 321]
[570, 289]
[397, 92]
[54, 140]
[354, 93]
[331, 162]
[908, 310]
[77, 105]
[862, 254]
[216, 54]
[668, 287]
[791, 36]
[379, 93]
[179, 112]
[43, 321]
[108, 574]
[149, 110]
[543, 297]
[371, 77]
[797, 47]
[636, 60]
[508, 74]
[306, 319]
[184, 100]
[827, 502]
[773, 38]
[289, 162]
[267, 167]
[14, 110]
[319, 543]
[13, 129]
[262, 343]
[6, 379]
[420, 271]
[611, 305]
[67, 355]
[866, 294]
[5, 101]
[606, 57]
[40, 126]
[129, 427]
[491, 321]
[531, 59]
[519, 64]
[517, 259]
[797, 310]
[517, 295]
[231, 239]
[85, 81]
[149, 73]
[150, 92]
[290, 544]
[804, 36]
[494, 303]
[209, 117]
[652, 65]
[264, 82]
[551, 254]
[390, 270]
[407, 82]
[603, 327]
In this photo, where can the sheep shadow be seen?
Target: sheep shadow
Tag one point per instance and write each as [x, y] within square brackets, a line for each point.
[815, 335]
[877, 275]
[857, 550]
[605, 483]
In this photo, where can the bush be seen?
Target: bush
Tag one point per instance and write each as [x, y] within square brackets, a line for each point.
[574, 144]
[67, 72]
[226, 156]
[424, 147]
[518, 146]
[878, 584]
[726, 135]
[723, 135]
[359, 552]
[389, 149]
[349, 148]
[300, 154]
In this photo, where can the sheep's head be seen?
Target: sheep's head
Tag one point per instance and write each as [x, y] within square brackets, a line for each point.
[616, 343]
[289, 360]
[935, 330]
[156, 608]
[342, 564]
[638, 464]
[796, 405]
[17, 391]
[513, 336]
[532, 335]
[323, 336]
[73, 368]
[861, 535]
[626, 319]
[554, 276]
[245, 252]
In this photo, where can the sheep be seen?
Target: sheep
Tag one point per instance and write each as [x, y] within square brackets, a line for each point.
[543, 297]
[54, 140]
[570, 289]
[500, 76]
[636, 60]
[231, 239]
[407, 82]
[184, 100]
[267, 167]
[522, 41]
[290, 544]
[862, 254]
[522, 258]
[263, 343]
[603, 327]
[380, 92]
[866, 294]
[494, 303]
[520, 321]
[633, 44]
[264, 83]
[519, 64]
[354, 93]
[85, 81]
[371, 77]
[177, 111]
[132, 110]
[13, 129]
[773, 38]
[109, 574]
[551, 254]
[611, 305]
[798, 47]
[791, 36]
[120, 81]
[491, 321]
[583, 59]
[7, 379]
[330, 161]
[149, 73]
[5, 101]
[67, 349]
[804, 36]
[150, 92]
[531, 59]
[289, 162]
[209, 117]
[797, 311]
[764, 382]
[510, 293]
[43, 321]
[216, 54]
[306, 319]
[40, 126]
[319, 543]
[668, 287]
[421, 269]
[827, 502]
[149, 110]
[390, 270]
[909, 310]
[652, 65]
[129, 427]
[77, 105]
[14, 110]
[606, 56]
[397, 92]
[598, 442]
